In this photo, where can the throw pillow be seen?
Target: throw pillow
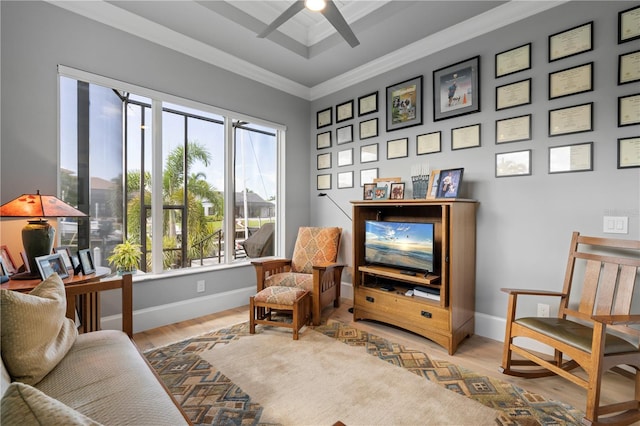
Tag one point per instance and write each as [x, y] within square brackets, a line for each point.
[25, 405]
[35, 334]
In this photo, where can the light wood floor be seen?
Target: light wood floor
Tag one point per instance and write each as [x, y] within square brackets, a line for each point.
[477, 353]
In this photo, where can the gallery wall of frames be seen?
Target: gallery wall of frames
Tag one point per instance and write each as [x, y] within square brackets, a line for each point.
[347, 134]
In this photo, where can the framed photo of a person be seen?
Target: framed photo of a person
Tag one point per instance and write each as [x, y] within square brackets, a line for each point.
[86, 261]
[571, 42]
[397, 191]
[449, 184]
[368, 104]
[66, 256]
[404, 104]
[344, 111]
[3, 271]
[456, 89]
[380, 193]
[9, 264]
[50, 264]
[368, 190]
[629, 24]
[323, 118]
[513, 60]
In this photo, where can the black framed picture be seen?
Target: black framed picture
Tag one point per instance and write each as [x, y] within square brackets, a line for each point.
[628, 28]
[324, 118]
[404, 104]
[629, 110]
[368, 104]
[456, 89]
[50, 264]
[449, 183]
[86, 262]
[571, 42]
[628, 69]
[344, 111]
[513, 60]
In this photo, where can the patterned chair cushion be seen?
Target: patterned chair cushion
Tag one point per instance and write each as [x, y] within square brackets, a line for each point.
[279, 295]
[315, 246]
[290, 279]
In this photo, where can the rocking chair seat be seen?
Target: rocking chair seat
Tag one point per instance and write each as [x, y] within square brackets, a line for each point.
[575, 334]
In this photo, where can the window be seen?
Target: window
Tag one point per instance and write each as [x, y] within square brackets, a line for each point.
[203, 183]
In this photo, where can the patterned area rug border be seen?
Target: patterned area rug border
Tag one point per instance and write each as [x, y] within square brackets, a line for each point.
[209, 397]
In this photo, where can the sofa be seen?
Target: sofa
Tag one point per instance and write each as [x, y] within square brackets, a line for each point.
[52, 375]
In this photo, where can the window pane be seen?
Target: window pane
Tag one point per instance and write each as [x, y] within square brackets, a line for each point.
[256, 185]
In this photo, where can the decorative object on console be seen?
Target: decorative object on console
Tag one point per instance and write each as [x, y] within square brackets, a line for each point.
[420, 180]
[86, 262]
[50, 264]
[37, 236]
[450, 181]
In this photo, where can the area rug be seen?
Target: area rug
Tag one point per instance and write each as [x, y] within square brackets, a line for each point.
[318, 381]
[209, 397]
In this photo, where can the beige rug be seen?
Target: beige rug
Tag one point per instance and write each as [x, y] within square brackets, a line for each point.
[318, 381]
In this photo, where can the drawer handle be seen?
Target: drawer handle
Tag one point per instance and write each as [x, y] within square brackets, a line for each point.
[370, 299]
[426, 314]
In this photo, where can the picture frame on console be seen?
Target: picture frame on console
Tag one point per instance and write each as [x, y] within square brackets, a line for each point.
[86, 262]
[449, 183]
[50, 264]
[66, 256]
[9, 264]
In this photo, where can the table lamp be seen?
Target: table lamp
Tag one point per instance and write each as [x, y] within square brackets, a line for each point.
[37, 236]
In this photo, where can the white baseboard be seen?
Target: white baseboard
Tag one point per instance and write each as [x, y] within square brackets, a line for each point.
[157, 316]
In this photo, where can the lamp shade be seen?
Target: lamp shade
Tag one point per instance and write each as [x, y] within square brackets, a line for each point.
[36, 205]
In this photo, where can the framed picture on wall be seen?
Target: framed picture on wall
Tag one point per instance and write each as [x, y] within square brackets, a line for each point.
[629, 152]
[629, 110]
[404, 104]
[368, 104]
[571, 42]
[323, 182]
[456, 89]
[323, 118]
[368, 176]
[513, 94]
[629, 24]
[515, 163]
[571, 158]
[513, 60]
[428, 143]
[344, 111]
[629, 67]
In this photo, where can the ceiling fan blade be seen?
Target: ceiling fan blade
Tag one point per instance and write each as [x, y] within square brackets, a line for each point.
[286, 15]
[333, 15]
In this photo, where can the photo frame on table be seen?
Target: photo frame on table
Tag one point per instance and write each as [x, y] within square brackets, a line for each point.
[429, 143]
[571, 158]
[66, 256]
[52, 263]
[323, 161]
[434, 181]
[571, 42]
[345, 157]
[25, 261]
[385, 184]
[368, 176]
[629, 25]
[368, 104]
[397, 148]
[344, 111]
[450, 182]
[369, 129]
[629, 152]
[397, 191]
[513, 60]
[629, 110]
[514, 163]
[571, 81]
[573, 119]
[380, 193]
[323, 182]
[86, 262]
[323, 140]
[404, 104]
[628, 68]
[465, 137]
[9, 263]
[369, 153]
[344, 134]
[345, 180]
[513, 94]
[324, 118]
[456, 89]
[514, 129]
[4, 274]
[367, 191]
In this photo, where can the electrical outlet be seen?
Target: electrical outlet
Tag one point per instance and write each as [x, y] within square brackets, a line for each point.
[200, 286]
[543, 310]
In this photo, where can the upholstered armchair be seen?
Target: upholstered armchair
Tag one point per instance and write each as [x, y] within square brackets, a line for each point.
[312, 267]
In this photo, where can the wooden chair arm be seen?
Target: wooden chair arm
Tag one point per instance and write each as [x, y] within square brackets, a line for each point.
[267, 267]
[529, 292]
[616, 319]
[326, 266]
[125, 283]
[270, 263]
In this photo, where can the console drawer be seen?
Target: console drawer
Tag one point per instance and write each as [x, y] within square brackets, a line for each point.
[397, 307]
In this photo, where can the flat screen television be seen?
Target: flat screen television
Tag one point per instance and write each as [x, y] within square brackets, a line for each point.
[402, 245]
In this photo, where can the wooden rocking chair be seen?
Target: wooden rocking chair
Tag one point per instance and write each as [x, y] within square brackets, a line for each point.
[593, 332]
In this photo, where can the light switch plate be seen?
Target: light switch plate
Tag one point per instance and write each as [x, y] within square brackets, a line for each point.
[615, 225]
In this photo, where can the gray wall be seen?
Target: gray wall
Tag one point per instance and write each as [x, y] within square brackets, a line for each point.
[36, 37]
[524, 223]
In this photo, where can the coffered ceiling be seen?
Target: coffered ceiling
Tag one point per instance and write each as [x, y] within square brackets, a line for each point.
[305, 56]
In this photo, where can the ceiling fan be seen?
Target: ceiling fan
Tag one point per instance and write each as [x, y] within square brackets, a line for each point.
[326, 7]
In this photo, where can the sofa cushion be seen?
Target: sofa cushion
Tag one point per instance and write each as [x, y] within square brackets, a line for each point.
[105, 377]
[35, 334]
[25, 405]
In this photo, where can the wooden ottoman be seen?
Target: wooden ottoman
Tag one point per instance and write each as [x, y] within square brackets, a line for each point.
[277, 299]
